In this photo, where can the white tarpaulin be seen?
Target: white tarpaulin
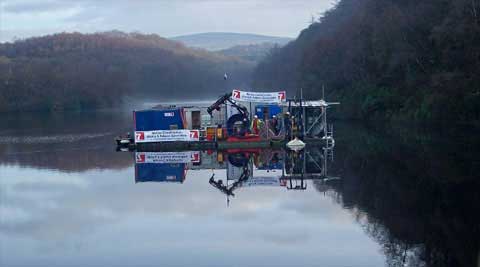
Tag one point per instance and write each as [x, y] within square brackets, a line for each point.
[259, 97]
[231, 110]
[167, 157]
[234, 173]
[166, 136]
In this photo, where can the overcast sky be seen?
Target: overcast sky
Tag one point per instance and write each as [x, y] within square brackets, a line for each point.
[24, 18]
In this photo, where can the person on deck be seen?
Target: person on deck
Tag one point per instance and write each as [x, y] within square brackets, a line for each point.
[260, 126]
[294, 127]
[273, 124]
[245, 128]
[288, 125]
[280, 124]
[254, 127]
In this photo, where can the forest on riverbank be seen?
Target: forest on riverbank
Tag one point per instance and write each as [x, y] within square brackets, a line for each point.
[386, 59]
[382, 59]
[84, 71]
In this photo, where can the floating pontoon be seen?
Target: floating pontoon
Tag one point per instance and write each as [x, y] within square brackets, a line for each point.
[226, 124]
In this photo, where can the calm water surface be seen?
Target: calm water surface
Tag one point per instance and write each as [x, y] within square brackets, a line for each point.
[405, 197]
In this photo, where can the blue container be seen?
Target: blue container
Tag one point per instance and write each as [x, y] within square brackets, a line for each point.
[154, 172]
[262, 110]
[165, 119]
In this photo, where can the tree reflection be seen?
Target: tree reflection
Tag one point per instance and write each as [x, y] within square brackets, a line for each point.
[415, 194]
[68, 142]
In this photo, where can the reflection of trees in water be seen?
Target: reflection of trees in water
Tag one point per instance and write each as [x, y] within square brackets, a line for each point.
[418, 200]
[70, 159]
[65, 141]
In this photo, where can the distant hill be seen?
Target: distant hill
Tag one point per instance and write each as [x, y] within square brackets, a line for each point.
[84, 71]
[215, 41]
[253, 53]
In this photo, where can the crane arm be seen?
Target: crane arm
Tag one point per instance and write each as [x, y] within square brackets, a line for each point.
[223, 100]
[218, 103]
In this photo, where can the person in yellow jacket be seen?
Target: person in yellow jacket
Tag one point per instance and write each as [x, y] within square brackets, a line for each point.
[260, 125]
[256, 125]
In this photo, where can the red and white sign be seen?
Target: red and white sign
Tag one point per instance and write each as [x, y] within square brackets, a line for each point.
[259, 97]
[167, 136]
[167, 157]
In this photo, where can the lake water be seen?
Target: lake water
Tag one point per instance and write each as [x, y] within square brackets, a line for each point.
[395, 197]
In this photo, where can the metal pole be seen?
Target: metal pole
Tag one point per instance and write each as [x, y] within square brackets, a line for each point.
[228, 197]
[325, 130]
[304, 119]
[325, 155]
[251, 112]
[304, 167]
[226, 103]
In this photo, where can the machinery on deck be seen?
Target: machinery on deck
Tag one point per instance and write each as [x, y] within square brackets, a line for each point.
[241, 120]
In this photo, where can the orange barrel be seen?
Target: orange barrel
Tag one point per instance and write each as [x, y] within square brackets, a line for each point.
[219, 133]
[211, 133]
[220, 157]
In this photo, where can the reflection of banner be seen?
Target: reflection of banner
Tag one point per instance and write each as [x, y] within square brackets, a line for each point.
[262, 181]
[166, 136]
[167, 157]
[259, 97]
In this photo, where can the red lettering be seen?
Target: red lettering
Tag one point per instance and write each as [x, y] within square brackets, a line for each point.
[139, 136]
[236, 94]
[140, 158]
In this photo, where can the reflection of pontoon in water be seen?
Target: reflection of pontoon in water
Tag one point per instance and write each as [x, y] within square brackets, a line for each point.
[297, 167]
[244, 168]
[311, 164]
[163, 166]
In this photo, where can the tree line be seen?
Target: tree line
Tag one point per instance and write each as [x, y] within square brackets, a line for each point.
[387, 59]
[83, 71]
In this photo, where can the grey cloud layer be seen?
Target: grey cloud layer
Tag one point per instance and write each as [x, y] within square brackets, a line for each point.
[167, 18]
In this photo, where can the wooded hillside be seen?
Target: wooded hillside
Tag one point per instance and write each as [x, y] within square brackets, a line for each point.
[392, 59]
[79, 71]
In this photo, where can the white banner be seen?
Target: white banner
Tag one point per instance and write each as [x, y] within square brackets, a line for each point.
[167, 157]
[259, 97]
[166, 136]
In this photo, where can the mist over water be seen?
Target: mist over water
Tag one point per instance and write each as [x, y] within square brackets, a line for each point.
[406, 197]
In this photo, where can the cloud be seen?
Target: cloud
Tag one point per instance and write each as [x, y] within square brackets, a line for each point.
[166, 18]
[75, 217]
[35, 6]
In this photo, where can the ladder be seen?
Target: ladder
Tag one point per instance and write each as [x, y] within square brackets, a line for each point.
[330, 142]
